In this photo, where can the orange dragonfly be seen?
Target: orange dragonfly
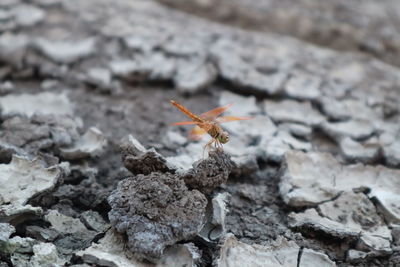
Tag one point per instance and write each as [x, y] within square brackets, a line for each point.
[208, 122]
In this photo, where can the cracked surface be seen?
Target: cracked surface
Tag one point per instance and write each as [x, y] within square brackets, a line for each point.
[317, 168]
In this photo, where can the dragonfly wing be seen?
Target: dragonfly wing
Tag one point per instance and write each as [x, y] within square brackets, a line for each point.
[212, 114]
[196, 133]
[184, 123]
[232, 118]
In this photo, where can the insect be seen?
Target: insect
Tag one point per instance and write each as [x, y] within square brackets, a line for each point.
[208, 122]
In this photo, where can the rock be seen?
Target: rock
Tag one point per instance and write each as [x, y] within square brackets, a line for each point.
[6, 230]
[302, 183]
[297, 130]
[245, 105]
[94, 221]
[216, 211]
[392, 153]
[293, 111]
[174, 140]
[13, 48]
[347, 108]
[303, 86]
[280, 253]
[41, 234]
[110, 251]
[244, 74]
[351, 216]
[274, 149]
[100, 77]
[145, 40]
[396, 234]
[152, 66]
[90, 145]
[66, 52]
[21, 244]
[27, 15]
[355, 256]
[23, 136]
[194, 75]
[137, 159]
[311, 258]
[155, 211]
[26, 178]
[45, 254]
[366, 152]
[64, 224]
[356, 129]
[46, 103]
[74, 235]
[16, 213]
[210, 173]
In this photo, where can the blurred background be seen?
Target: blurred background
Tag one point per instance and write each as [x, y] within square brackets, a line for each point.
[316, 171]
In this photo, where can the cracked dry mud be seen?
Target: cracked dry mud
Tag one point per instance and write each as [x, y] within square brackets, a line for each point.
[92, 173]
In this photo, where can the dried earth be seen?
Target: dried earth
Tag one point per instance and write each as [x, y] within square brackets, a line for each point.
[92, 174]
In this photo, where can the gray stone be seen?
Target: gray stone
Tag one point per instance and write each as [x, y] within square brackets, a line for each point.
[243, 105]
[137, 159]
[356, 129]
[293, 111]
[155, 211]
[26, 179]
[6, 230]
[280, 253]
[13, 47]
[302, 183]
[45, 254]
[296, 129]
[15, 213]
[366, 152]
[41, 234]
[193, 75]
[354, 255]
[216, 211]
[392, 153]
[351, 216]
[100, 77]
[110, 251]
[94, 221]
[28, 15]
[91, 144]
[303, 86]
[312, 258]
[66, 51]
[46, 103]
[64, 224]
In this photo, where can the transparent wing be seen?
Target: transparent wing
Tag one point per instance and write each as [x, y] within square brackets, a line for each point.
[196, 133]
[212, 114]
[184, 123]
[232, 118]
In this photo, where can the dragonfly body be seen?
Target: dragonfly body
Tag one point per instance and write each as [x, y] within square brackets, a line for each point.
[208, 123]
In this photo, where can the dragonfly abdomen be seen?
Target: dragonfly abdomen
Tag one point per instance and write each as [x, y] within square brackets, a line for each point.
[186, 112]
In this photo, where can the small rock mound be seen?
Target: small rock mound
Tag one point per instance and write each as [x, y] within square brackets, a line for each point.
[155, 211]
[208, 174]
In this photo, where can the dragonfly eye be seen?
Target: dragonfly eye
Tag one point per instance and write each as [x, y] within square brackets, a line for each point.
[224, 137]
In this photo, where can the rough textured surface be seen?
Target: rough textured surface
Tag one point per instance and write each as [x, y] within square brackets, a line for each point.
[155, 211]
[281, 253]
[110, 251]
[328, 119]
[210, 173]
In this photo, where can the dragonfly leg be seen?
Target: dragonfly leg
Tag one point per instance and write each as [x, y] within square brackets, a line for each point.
[208, 145]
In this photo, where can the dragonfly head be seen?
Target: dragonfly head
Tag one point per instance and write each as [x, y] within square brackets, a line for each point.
[223, 137]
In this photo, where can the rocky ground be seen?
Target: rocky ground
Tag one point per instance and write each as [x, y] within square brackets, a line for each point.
[92, 173]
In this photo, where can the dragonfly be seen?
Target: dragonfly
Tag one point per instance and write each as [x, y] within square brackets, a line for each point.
[208, 122]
